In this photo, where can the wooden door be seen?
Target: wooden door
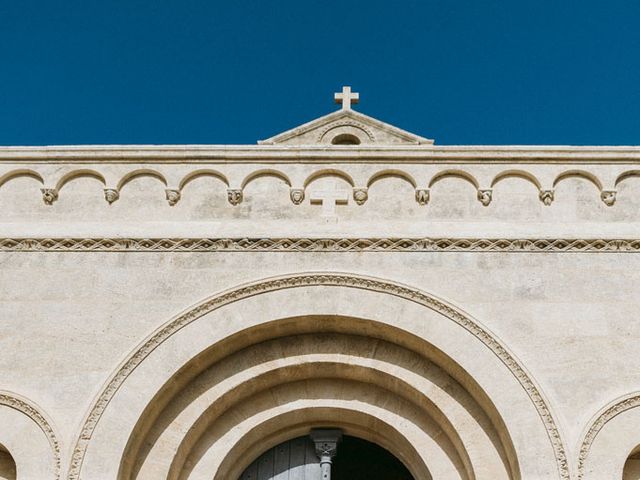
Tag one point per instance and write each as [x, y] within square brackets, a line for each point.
[292, 460]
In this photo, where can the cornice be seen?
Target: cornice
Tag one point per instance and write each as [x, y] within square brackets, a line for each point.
[221, 154]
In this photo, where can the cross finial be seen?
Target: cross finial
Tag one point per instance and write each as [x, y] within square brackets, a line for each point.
[346, 98]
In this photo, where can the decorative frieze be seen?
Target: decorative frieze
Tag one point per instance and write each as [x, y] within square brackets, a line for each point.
[604, 181]
[116, 244]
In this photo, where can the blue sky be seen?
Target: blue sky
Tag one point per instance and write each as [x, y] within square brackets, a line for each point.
[462, 72]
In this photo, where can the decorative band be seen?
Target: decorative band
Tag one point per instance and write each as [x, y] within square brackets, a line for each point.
[317, 245]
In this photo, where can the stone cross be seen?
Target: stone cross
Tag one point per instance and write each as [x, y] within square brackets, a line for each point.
[346, 98]
[329, 198]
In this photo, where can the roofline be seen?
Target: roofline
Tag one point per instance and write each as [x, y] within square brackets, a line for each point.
[333, 116]
[320, 154]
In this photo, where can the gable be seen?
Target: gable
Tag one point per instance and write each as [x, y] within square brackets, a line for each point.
[346, 127]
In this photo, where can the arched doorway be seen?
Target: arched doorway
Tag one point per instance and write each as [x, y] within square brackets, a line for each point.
[29, 447]
[352, 459]
[246, 370]
[358, 459]
[7, 465]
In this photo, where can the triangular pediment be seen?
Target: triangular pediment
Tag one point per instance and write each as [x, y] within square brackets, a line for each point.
[346, 127]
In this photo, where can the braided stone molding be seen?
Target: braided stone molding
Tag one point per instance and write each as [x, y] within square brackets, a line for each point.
[246, 244]
[325, 280]
[12, 400]
[619, 406]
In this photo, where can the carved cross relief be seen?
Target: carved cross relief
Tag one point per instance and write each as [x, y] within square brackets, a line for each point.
[329, 198]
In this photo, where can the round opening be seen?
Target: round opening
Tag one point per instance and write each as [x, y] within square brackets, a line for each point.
[345, 139]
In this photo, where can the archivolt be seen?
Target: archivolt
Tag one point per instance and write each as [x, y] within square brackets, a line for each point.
[325, 280]
[298, 421]
[613, 409]
[303, 399]
[268, 369]
[24, 406]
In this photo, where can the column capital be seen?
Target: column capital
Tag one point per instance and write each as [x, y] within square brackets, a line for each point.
[326, 441]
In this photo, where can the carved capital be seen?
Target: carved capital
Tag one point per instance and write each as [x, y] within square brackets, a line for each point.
[111, 195]
[49, 195]
[546, 197]
[485, 196]
[326, 442]
[173, 196]
[234, 195]
[422, 196]
[360, 195]
[608, 197]
[296, 195]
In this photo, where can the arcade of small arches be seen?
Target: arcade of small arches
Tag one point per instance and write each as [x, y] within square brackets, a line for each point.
[393, 376]
[113, 180]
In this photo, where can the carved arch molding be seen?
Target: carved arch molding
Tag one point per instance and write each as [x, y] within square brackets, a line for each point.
[616, 409]
[27, 408]
[349, 281]
[599, 421]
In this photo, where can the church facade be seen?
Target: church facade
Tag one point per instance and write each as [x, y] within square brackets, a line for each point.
[343, 300]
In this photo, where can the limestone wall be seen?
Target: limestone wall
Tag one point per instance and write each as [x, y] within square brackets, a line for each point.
[82, 289]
